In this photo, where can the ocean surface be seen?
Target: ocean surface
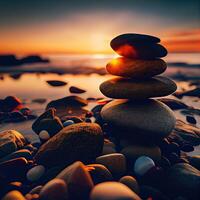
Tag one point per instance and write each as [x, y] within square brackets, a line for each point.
[28, 82]
[85, 71]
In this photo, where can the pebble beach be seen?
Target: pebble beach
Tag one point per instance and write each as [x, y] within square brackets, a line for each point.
[126, 130]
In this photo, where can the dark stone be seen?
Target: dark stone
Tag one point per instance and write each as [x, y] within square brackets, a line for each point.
[148, 192]
[10, 141]
[56, 83]
[15, 169]
[77, 90]
[131, 39]
[67, 102]
[52, 126]
[187, 148]
[194, 161]
[173, 103]
[16, 116]
[99, 173]
[9, 103]
[126, 88]
[182, 179]
[186, 132]
[164, 162]
[191, 119]
[73, 118]
[47, 121]
[191, 93]
[82, 141]
[142, 51]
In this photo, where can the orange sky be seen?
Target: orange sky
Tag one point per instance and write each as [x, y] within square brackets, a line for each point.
[82, 34]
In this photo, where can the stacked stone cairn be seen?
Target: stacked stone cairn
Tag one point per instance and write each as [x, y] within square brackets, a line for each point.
[138, 121]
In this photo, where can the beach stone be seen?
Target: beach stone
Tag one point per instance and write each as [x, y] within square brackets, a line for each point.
[36, 190]
[82, 141]
[68, 122]
[191, 119]
[134, 151]
[76, 90]
[194, 161]
[13, 195]
[108, 147]
[187, 132]
[56, 83]
[125, 88]
[148, 192]
[128, 40]
[182, 179]
[75, 119]
[78, 180]
[142, 51]
[54, 189]
[35, 173]
[130, 182]
[126, 67]
[99, 173]
[10, 141]
[116, 163]
[16, 116]
[190, 93]
[24, 153]
[44, 135]
[112, 191]
[174, 104]
[146, 119]
[142, 165]
[14, 170]
[67, 101]
[108, 150]
[9, 103]
[52, 126]
[69, 106]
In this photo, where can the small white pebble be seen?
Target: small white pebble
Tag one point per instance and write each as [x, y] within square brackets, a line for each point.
[35, 173]
[142, 165]
[68, 122]
[44, 135]
[93, 119]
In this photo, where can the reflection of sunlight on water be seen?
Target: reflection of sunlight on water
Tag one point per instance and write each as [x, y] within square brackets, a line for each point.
[35, 86]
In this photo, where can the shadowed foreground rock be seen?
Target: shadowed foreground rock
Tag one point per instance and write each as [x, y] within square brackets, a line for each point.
[82, 141]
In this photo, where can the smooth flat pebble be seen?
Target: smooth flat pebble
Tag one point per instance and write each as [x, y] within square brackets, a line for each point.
[56, 189]
[115, 162]
[141, 50]
[78, 180]
[126, 88]
[126, 67]
[143, 118]
[113, 191]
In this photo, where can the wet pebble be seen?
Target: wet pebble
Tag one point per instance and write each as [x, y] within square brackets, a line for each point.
[113, 191]
[130, 182]
[54, 189]
[14, 195]
[191, 119]
[115, 162]
[44, 135]
[68, 122]
[35, 173]
[142, 165]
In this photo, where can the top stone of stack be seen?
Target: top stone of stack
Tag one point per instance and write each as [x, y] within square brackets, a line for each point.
[138, 46]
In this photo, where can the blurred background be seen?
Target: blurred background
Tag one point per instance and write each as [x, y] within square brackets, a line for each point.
[69, 41]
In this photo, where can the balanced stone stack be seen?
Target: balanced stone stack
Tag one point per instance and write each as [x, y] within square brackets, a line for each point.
[135, 116]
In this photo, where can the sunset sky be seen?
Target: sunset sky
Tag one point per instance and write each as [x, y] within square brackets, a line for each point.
[64, 26]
